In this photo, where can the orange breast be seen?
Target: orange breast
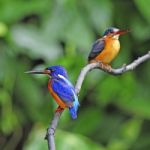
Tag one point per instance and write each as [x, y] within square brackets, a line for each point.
[110, 51]
[55, 96]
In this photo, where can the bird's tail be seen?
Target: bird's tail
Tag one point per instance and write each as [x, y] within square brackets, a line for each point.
[73, 110]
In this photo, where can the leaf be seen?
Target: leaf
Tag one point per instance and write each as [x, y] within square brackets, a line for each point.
[143, 7]
[91, 118]
[35, 44]
[128, 134]
[15, 10]
[100, 13]
[72, 141]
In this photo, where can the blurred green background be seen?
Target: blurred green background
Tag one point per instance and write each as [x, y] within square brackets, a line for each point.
[115, 110]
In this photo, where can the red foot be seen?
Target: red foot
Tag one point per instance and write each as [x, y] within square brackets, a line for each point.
[59, 109]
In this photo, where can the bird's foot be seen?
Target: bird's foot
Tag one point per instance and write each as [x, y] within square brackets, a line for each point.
[106, 67]
[59, 109]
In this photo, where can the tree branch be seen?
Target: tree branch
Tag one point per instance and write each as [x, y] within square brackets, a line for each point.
[81, 77]
[51, 131]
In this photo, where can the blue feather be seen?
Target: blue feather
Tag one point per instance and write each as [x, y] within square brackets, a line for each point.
[73, 110]
[65, 90]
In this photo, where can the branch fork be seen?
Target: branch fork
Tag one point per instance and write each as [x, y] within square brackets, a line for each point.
[97, 65]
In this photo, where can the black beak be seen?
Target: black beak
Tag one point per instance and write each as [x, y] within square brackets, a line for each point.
[120, 32]
[39, 72]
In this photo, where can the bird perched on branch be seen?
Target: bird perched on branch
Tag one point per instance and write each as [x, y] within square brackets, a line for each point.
[105, 49]
[61, 89]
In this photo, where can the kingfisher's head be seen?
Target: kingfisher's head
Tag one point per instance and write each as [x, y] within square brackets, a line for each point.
[52, 71]
[114, 32]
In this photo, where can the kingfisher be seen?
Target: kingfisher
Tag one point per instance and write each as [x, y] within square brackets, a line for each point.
[106, 48]
[61, 89]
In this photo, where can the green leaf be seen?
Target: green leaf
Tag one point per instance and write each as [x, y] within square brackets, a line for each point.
[3, 29]
[83, 118]
[143, 7]
[128, 134]
[100, 13]
[34, 43]
[69, 141]
[15, 10]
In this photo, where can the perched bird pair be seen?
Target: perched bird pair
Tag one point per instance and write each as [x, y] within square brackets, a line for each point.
[104, 50]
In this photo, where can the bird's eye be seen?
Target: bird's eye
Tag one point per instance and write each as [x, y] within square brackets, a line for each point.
[110, 31]
[52, 70]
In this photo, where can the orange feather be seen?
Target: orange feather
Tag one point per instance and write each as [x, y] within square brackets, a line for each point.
[110, 51]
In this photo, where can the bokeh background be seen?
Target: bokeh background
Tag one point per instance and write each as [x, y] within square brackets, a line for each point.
[115, 110]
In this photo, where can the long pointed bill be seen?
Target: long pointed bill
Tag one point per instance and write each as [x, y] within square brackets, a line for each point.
[120, 32]
[39, 72]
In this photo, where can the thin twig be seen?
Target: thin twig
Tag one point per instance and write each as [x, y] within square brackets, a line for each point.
[81, 77]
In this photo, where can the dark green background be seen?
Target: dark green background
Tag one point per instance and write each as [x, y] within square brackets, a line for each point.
[115, 110]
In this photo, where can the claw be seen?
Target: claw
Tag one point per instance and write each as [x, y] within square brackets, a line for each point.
[59, 109]
[106, 67]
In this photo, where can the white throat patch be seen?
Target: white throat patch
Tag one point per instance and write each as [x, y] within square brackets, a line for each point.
[116, 37]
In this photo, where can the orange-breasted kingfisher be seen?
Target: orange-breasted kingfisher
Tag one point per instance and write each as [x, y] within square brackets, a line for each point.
[61, 89]
[106, 48]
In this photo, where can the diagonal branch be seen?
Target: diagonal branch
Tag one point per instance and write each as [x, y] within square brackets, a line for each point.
[81, 77]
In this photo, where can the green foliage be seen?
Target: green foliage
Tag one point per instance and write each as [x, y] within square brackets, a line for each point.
[114, 113]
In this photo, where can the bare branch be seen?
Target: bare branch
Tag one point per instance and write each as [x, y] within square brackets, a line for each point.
[51, 131]
[117, 71]
[131, 66]
[81, 77]
[83, 73]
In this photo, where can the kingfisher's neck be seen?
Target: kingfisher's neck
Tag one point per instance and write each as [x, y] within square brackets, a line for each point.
[110, 41]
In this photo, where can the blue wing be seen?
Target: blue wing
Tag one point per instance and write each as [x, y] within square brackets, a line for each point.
[65, 90]
[97, 48]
